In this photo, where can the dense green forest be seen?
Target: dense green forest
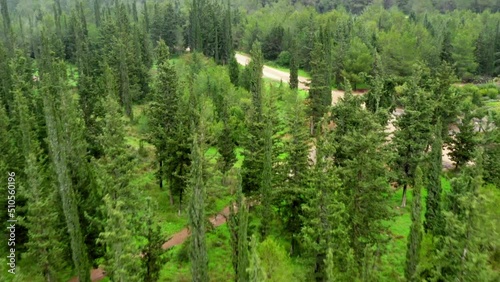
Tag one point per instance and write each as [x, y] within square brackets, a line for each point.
[250, 140]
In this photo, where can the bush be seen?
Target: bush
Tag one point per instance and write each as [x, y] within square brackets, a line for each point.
[492, 93]
[284, 59]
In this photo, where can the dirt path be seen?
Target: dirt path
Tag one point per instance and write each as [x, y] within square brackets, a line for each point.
[178, 238]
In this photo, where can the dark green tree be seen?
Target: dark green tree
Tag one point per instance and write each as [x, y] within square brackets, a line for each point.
[153, 259]
[415, 236]
[234, 71]
[162, 115]
[362, 156]
[433, 218]
[413, 134]
[198, 250]
[255, 271]
[294, 65]
[320, 91]
[238, 226]
[325, 213]
[464, 141]
[61, 118]
[296, 168]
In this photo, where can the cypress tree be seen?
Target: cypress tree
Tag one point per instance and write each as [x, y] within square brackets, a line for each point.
[255, 87]
[325, 227]
[266, 185]
[433, 219]
[234, 71]
[413, 134]
[463, 142]
[60, 118]
[415, 236]
[45, 246]
[362, 156]
[296, 169]
[255, 271]
[459, 253]
[153, 259]
[319, 93]
[198, 250]
[120, 230]
[238, 225]
[163, 115]
[294, 65]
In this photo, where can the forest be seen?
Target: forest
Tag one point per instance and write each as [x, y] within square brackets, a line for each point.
[250, 140]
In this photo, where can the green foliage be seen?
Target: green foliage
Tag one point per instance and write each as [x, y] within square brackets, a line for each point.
[255, 270]
[415, 236]
[433, 223]
[238, 225]
[198, 250]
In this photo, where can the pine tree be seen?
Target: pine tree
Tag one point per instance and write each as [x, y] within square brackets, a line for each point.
[433, 220]
[255, 271]
[238, 225]
[266, 186]
[198, 251]
[415, 236]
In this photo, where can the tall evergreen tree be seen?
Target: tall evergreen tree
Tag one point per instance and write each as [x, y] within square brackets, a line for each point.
[458, 251]
[464, 141]
[234, 71]
[294, 65]
[198, 251]
[60, 110]
[162, 113]
[255, 271]
[325, 227]
[413, 134]
[45, 246]
[415, 236]
[361, 156]
[433, 218]
[295, 170]
[153, 259]
[238, 226]
[320, 92]
[120, 231]
[255, 87]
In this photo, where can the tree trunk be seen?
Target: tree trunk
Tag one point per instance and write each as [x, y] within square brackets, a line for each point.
[403, 202]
